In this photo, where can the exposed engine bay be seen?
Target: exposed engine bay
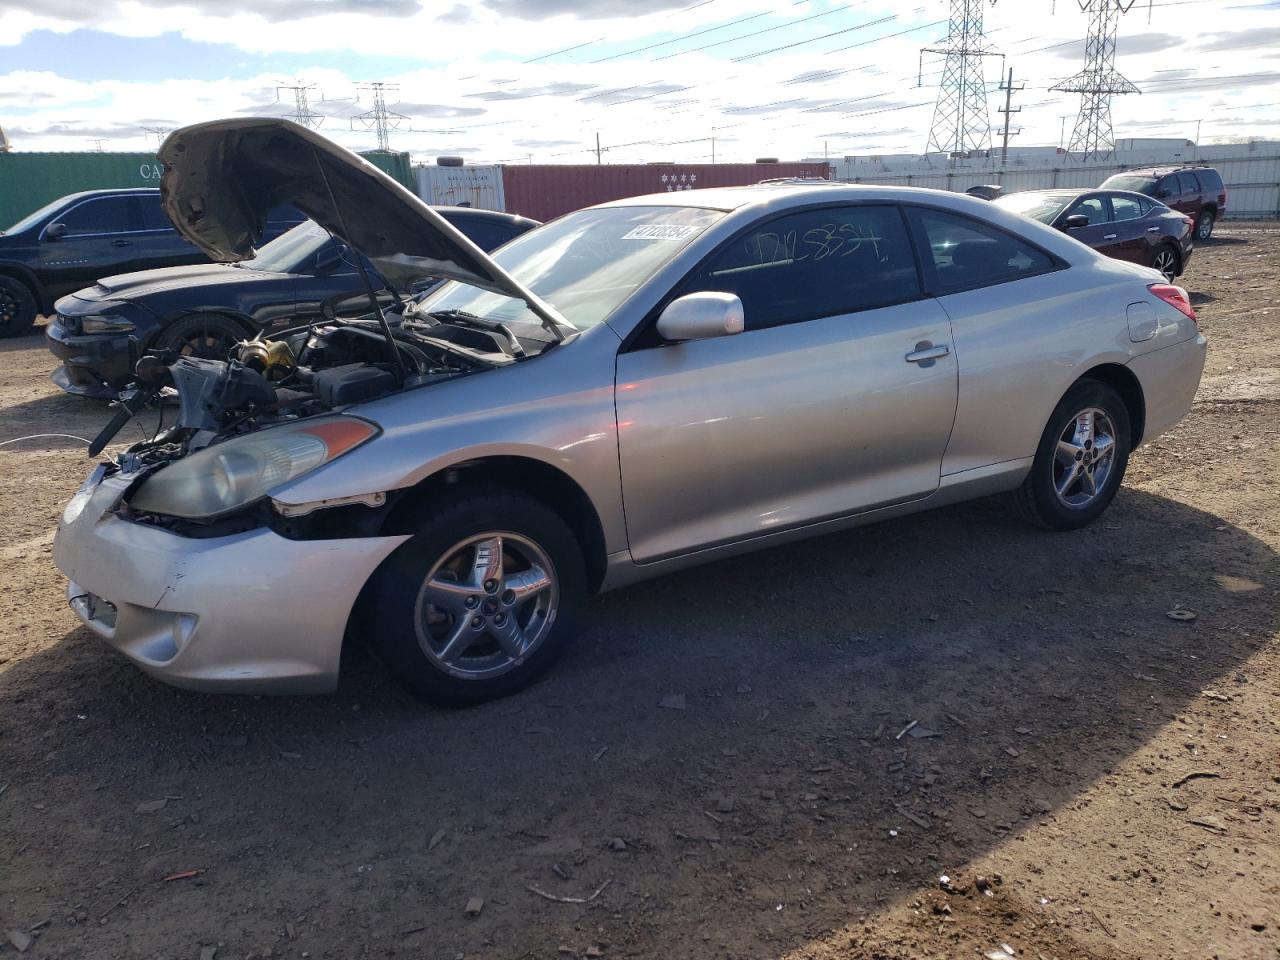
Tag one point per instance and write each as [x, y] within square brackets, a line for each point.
[304, 372]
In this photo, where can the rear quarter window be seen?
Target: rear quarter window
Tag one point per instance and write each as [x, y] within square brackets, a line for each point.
[959, 253]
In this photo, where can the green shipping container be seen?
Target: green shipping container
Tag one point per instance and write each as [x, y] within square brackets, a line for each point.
[30, 180]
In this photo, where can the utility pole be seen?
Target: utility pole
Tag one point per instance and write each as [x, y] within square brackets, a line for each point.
[1008, 111]
[599, 149]
[302, 112]
[713, 144]
[97, 144]
[379, 119]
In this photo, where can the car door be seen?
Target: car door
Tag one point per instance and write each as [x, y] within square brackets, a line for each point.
[1190, 199]
[1133, 241]
[1099, 234]
[837, 398]
[92, 238]
[1013, 310]
[158, 244]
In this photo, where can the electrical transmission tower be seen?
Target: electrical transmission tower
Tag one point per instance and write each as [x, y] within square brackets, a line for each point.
[960, 121]
[1099, 81]
[159, 133]
[302, 112]
[379, 118]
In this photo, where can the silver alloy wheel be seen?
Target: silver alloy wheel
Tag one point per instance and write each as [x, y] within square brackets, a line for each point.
[1204, 228]
[1085, 457]
[486, 605]
[1166, 263]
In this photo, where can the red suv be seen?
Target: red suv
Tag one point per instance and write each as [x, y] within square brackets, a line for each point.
[1196, 191]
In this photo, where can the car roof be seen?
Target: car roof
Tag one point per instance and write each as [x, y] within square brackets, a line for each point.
[112, 192]
[495, 216]
[785, 193]
[1162, 171]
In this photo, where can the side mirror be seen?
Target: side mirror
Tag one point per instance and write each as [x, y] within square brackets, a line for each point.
[1075, 222]
[55, 231]
[700, 316]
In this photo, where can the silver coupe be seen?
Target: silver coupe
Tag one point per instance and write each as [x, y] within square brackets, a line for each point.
[626, 391]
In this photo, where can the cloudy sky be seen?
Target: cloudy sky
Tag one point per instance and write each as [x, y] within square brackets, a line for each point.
[513, 80]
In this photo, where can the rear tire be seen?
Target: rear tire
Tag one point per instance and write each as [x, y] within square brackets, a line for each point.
[455, 626]
[1204, 225]
[17, 307]
[206, 336]
[1167, 261]
[1076, 473]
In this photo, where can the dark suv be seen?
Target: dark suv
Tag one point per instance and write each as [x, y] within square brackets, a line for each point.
[1196, 191]
[70, 243]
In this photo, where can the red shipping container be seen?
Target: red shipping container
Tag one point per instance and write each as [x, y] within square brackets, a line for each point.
[544, 191]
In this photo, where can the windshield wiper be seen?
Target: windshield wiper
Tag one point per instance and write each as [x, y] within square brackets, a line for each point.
[464, 319]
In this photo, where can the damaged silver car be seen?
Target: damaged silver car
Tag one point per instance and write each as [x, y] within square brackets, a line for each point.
[628, 390]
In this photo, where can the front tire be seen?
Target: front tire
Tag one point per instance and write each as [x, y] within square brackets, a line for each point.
[1204, 226]
[1080, 461]
[480, 602]
[205, 336]
[17, 307]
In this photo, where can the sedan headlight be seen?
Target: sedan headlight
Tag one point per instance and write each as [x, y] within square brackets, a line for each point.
[106, 323]
[233, 474]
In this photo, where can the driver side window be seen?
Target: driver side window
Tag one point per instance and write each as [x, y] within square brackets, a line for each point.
[816, 263]
[1092, 207]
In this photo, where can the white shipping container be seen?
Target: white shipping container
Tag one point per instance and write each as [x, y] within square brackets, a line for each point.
[479, 187]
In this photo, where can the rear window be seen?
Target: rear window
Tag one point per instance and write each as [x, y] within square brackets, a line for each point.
[1188, 182]
[1138, 183]
[153, 217]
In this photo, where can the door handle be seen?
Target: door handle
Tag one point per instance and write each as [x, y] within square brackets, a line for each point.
[1109, 236]
[925, 353]
[120, 243]
[1153, 229]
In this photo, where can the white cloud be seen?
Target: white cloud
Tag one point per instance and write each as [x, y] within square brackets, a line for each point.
[489, 104]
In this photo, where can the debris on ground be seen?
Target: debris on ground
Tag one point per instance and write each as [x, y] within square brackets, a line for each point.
[21, 941]
[1179, 614]
[474, 906]
[673, 701]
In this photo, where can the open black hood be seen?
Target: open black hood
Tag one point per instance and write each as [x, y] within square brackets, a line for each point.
[221, 177]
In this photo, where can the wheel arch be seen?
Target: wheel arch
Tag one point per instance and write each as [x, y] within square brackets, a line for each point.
[1121, 379]
[535, 478]
[246, 325]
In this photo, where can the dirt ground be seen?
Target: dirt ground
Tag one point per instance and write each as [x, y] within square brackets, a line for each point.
[1103, 780]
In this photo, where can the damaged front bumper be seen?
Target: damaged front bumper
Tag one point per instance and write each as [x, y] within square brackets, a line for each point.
[253, 612]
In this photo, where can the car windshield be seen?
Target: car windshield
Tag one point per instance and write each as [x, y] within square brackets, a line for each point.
[1038, 206]
[292, 250]
[584, 264]
[31, 219]
[1136, 182]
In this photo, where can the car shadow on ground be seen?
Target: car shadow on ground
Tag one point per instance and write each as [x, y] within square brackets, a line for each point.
[722, 746]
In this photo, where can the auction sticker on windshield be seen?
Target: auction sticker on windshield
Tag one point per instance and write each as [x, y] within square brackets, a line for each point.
[662, 231]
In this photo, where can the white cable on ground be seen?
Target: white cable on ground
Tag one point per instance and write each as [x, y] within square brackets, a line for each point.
[38, 436]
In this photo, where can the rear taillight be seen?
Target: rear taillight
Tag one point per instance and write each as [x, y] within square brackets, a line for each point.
[1175, 297]
[1188, 222]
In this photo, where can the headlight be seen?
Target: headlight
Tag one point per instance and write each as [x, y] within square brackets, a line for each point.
[231, 475]
[106, 323]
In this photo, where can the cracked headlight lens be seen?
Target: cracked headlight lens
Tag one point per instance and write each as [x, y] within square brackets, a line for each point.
[230, 475]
